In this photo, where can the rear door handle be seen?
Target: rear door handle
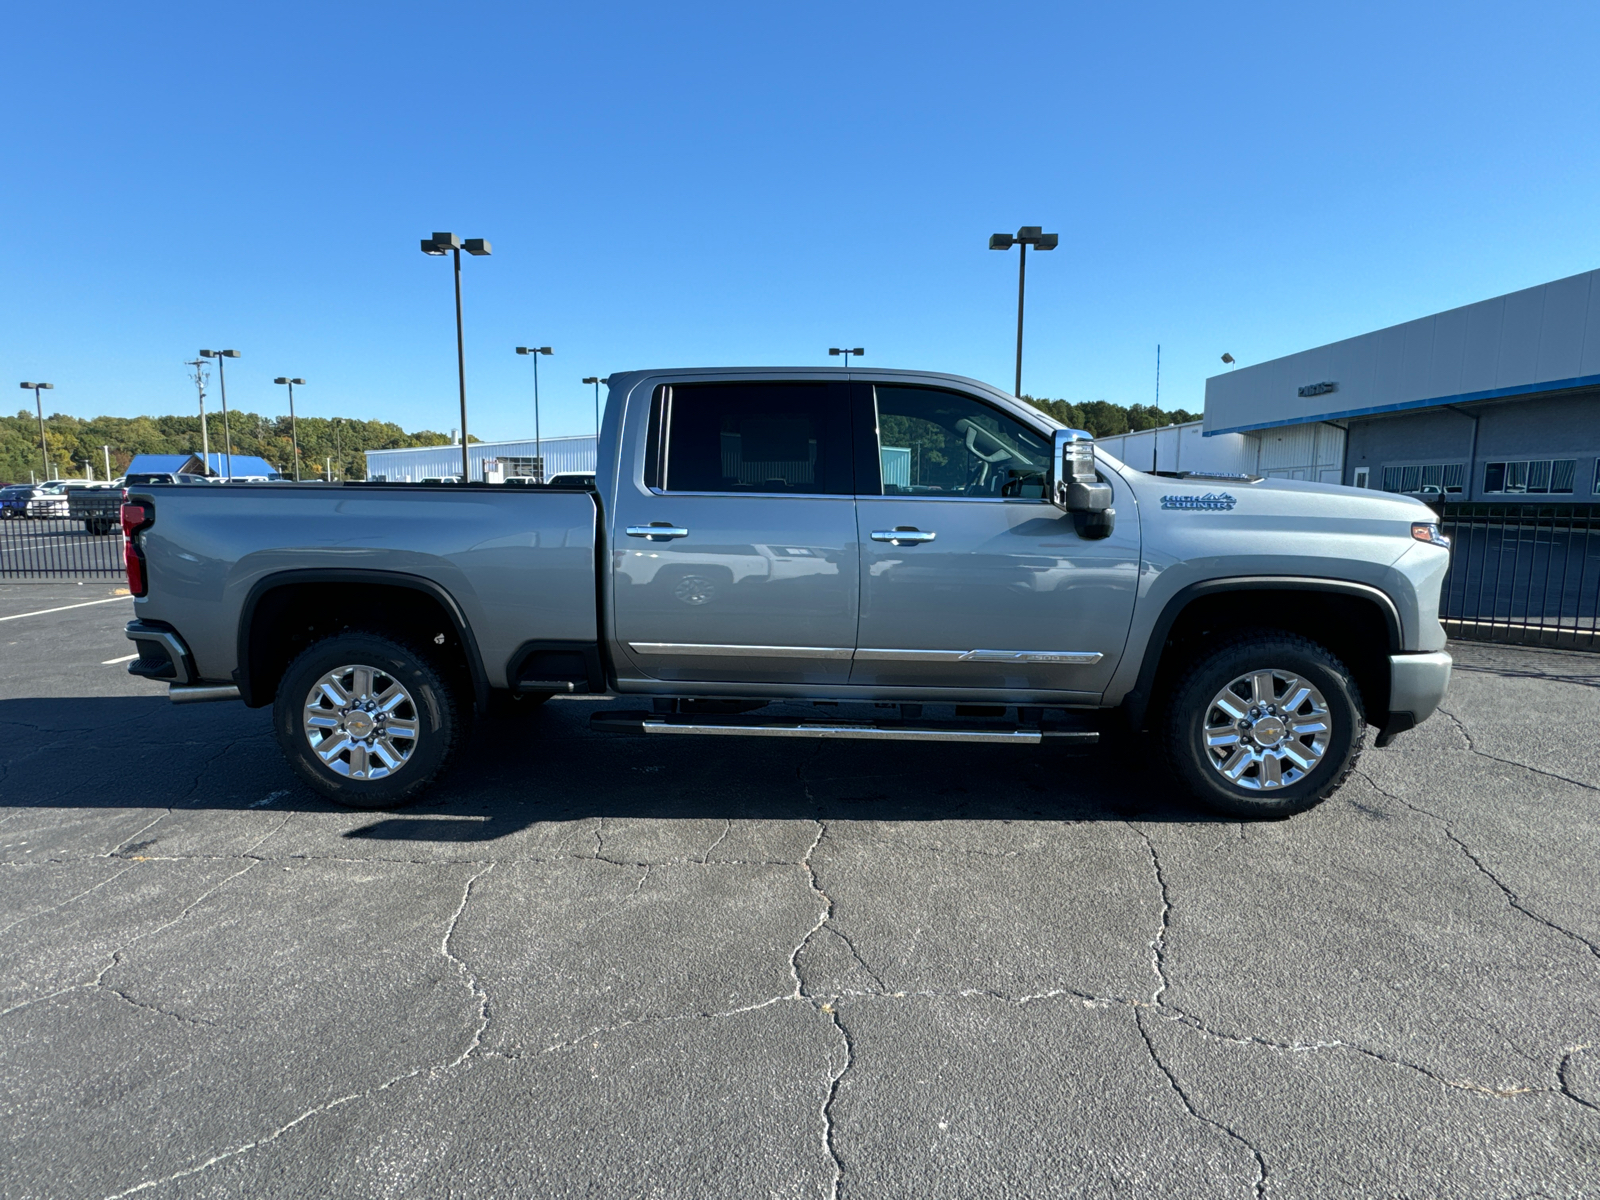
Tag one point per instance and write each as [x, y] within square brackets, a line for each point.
[902, 535]
[658, 529]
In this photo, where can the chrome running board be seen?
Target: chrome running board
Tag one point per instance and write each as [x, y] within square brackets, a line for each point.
[886, 731]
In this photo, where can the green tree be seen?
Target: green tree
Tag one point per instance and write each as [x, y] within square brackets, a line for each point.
[74, 442]
[1102, 418]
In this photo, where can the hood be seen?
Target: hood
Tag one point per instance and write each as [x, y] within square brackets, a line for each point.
[1283, 497]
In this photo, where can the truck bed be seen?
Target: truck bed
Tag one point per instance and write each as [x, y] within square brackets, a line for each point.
[519, 563]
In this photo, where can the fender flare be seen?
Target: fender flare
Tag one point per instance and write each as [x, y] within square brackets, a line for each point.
[416, 583]
[1137, 700]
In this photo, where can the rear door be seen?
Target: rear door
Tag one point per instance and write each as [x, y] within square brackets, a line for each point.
[734, 556]
[970, 578]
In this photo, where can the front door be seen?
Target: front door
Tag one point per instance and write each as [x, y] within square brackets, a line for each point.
[970, 578]
[735, 560]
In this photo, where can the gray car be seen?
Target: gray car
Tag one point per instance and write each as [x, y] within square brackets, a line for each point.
[920, 544]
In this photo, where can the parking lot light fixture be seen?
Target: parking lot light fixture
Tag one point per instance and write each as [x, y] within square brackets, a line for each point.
[836, 350]
[44, 453]
[597, 381]
[538, 446]
[438, 246]
[1028, 235]
[222, 388]
[294, 436]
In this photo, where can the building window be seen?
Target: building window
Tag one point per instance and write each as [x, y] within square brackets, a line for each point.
[1430, 479]
[1535, 477]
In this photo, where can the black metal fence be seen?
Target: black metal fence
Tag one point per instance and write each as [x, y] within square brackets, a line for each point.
[60, 547]
[1527, 574]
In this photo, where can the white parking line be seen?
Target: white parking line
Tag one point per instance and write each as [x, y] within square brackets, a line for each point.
[41, 612]
[111, 662]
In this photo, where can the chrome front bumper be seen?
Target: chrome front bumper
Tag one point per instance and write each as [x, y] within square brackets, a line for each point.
[1417, 683]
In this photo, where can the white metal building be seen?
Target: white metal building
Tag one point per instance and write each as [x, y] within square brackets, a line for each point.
[1496, 401]
[1295, 452]
[489, 460]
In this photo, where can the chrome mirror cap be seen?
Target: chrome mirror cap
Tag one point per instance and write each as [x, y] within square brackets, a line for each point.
[1074, 484]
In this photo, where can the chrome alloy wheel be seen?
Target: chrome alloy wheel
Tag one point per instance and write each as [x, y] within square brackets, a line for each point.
[1266, 730]
[361, 722]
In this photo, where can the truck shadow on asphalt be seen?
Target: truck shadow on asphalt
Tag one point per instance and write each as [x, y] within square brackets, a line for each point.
[547, 765]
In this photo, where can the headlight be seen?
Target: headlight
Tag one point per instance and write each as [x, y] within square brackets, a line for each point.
[1428, 531]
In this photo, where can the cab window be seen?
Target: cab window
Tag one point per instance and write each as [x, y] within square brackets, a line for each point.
[758, 437]
[938, 443]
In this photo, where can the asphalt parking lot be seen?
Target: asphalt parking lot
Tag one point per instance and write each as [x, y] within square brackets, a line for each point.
[599, 966]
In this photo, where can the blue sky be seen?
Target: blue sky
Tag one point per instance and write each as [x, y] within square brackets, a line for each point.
[677, 185]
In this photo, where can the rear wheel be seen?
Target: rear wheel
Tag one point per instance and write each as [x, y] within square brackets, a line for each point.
[366, 720]
[1264, 724]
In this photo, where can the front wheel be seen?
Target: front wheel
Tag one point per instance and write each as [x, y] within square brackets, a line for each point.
[366, 720]
[1264, 724]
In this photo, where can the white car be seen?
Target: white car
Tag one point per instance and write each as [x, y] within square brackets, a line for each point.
[48, 500]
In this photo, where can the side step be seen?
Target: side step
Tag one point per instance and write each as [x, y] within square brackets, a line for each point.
[892, 731]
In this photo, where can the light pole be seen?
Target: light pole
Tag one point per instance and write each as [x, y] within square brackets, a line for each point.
[439, 245]
[858, 352]
[44, 453]
[106, 450]
[1028, 235]
[294, 434]
[336, 448]
[538, 445]
[597, 381]
[222, 386]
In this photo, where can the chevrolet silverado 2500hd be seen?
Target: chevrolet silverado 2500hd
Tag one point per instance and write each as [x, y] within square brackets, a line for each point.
[908, 539]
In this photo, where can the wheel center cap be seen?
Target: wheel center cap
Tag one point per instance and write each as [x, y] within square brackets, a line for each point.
[1268, 731]
[359, 724]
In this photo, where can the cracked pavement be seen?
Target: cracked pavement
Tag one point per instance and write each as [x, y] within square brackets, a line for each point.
[599, 966]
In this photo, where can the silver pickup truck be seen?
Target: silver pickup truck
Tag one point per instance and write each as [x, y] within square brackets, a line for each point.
[923, 547]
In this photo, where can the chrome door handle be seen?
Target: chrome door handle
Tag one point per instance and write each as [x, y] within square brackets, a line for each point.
[658, 529]
[905, 534]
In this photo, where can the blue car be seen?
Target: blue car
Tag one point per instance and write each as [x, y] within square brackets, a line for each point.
[14, 500]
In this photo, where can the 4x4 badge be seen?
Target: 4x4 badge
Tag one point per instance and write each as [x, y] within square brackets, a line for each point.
[1211, 501]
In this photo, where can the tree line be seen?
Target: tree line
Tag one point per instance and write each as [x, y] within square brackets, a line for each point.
[1102, 418]
[75, 444]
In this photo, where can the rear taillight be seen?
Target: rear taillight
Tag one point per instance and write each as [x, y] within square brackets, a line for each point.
[134, 518]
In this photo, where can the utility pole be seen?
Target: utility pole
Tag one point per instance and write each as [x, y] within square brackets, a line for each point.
[199, 377]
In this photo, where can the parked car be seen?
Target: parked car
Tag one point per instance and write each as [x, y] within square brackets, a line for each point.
[96, 505]
[897, 538]
[48, 500]
[144, 478]
[582, 479]
[14, 500]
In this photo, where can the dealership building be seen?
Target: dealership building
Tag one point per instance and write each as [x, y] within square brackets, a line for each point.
[490, 461]
[1497, 401]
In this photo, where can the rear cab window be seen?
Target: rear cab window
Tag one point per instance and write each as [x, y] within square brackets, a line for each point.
[751, 438]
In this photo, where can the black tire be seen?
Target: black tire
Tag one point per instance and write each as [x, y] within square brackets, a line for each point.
[439, 720]
[1183, 724]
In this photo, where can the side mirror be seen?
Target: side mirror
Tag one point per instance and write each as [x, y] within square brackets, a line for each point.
[1075, 488]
